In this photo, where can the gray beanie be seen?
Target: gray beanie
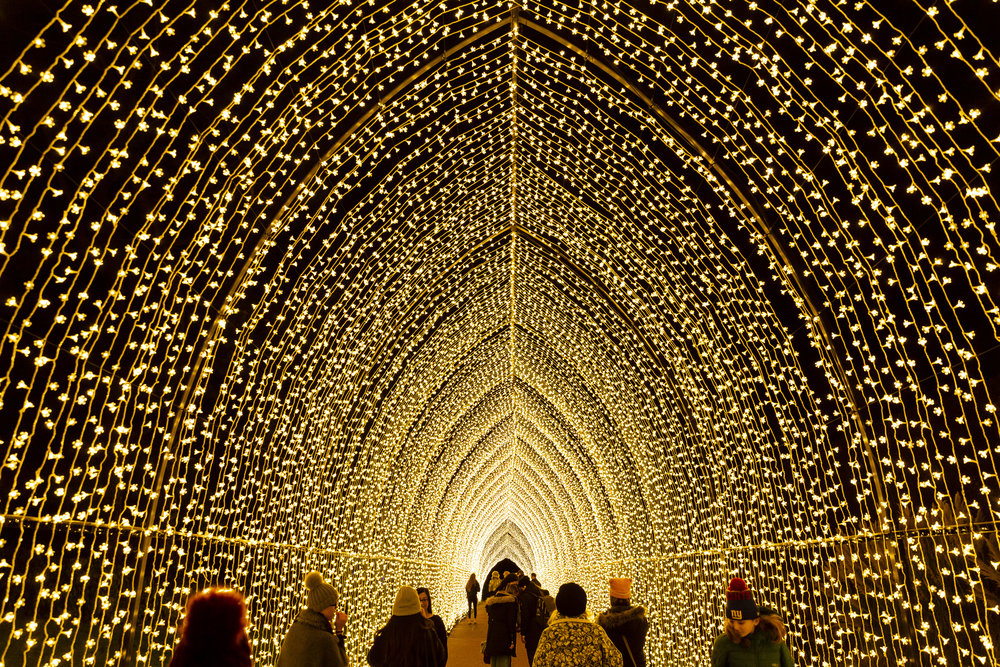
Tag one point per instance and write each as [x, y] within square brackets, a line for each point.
[407, 602]
[321, 594]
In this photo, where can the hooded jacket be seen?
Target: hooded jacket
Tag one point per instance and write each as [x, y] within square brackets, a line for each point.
[627, 627]
[575, 642]
[501, 633]
[310, 642]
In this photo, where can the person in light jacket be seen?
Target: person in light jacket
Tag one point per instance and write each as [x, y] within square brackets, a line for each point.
[492, 585]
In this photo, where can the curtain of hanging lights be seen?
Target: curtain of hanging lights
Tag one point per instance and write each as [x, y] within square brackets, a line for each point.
[673, 290]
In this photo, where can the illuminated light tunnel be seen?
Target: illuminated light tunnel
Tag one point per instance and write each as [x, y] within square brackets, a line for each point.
[667, 290]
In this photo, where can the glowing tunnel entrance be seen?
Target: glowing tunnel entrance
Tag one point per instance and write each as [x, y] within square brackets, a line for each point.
[672, 291]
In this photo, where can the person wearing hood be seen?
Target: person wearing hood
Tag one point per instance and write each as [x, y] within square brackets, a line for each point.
[625, 623]
[572, 639]
[501, 631]
[408, 639]
[313, 641]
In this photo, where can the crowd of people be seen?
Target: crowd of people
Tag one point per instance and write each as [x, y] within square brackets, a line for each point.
[555, 632]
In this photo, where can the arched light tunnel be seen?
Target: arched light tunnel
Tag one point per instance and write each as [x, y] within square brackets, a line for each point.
[674, 291]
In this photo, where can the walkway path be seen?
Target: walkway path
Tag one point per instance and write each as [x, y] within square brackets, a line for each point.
[465, 640]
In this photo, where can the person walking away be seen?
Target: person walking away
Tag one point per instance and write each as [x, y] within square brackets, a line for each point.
[493, 584]
[549, 606]
[313, 641]
[508, 577]
[753, 636]
[214, 631]
[572, 639]
[501, 629]
[533, 618]
[407, 639]
[424, 595]
[625, 624]
[471, 594]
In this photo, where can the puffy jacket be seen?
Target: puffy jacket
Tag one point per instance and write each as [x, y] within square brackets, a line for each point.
[627, 628]
[762, 652]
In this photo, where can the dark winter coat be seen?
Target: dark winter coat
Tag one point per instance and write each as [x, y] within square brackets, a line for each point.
[762, 652]
[527, 600]
[407, 641]
[442, 633]
[501, 633]
[627, 625]
[310, 642]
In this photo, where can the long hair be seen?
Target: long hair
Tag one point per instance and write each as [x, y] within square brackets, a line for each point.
[214, 631]
[468, 584]
[769, 623]
[428, 594]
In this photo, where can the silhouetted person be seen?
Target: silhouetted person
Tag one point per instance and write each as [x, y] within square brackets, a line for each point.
[424, 595]
[408, 639]
[214, 631]
[471, 594]
[532, 615]
[501, 633]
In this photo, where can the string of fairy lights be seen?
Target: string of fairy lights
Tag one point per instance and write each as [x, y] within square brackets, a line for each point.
[669, 290]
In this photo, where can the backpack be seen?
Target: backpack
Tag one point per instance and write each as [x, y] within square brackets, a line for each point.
[543, 609]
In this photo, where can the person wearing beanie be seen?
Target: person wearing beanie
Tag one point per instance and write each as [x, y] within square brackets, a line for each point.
[625, 623]
[753, 636]
[572, 639]
[408, 639]
[533, 617]
[316, 638]
[501, 628]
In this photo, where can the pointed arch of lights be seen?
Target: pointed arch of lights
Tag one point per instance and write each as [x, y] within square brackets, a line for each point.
[673, 292]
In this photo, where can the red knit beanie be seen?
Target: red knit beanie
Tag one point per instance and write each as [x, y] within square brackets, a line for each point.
[739, 601]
